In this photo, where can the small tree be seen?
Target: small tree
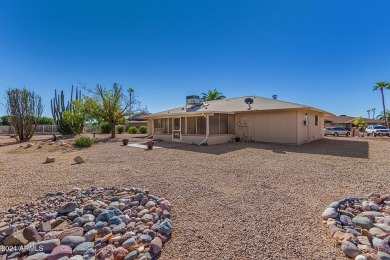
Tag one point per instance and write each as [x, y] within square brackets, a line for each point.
[359, 122]
[107, 105]
[134, 107]
[25, 109]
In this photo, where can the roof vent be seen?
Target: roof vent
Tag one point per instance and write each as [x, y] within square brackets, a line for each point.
[193, 100]
[275, 97]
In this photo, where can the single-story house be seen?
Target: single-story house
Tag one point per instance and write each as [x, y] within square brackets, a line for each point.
[138, 120]
[250, 118]
[347, 121]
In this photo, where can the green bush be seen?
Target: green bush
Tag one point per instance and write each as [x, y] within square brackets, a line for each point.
[121, 129]
[46, 121]
[133, 130]
[83, 141]
[143, 129]
[105, 128]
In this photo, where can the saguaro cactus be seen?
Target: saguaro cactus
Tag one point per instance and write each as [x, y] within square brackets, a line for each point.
[58, 108]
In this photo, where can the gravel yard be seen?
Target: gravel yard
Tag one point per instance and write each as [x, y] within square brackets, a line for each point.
[231, 201]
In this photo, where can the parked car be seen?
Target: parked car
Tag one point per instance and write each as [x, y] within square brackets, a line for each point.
[336, 131]
[377, 130]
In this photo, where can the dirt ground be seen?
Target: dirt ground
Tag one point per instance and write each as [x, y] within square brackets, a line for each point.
[231, 201]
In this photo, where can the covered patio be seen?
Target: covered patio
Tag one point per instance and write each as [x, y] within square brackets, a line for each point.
[196, 128]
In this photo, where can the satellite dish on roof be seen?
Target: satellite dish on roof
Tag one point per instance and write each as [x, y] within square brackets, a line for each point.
[249, 101]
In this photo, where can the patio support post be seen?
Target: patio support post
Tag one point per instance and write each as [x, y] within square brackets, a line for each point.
[207, 129]
[207, 126]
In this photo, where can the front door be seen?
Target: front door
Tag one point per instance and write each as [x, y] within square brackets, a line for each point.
[176, 129]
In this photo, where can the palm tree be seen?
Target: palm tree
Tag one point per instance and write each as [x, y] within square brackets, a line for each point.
[373, 112]
[382, 85]
[212, 95]
[381, 117]
[368, 112]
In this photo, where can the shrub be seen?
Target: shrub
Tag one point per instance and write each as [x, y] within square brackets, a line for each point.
[133, 130]
[105, 128]
[46, 121]
[143, 129]
[83, 141]
[121, 129]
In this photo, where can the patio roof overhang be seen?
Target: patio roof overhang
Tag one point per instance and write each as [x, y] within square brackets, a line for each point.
[189, 114]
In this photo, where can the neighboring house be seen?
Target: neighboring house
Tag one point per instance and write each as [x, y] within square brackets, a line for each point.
[138, 120]
[250, 118]
[347, 121]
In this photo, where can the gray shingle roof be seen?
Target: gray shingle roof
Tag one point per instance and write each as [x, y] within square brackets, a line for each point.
[231, 105]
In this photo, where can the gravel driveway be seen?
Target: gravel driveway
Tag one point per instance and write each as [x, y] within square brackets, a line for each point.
[231, 201]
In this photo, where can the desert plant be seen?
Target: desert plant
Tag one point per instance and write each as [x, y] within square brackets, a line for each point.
[359, 122]
[25, 109]
[212, 95]
[46, 121]
[5, 120]
[107, 105]
[143, 129]
[381, 117]
[381, 86]
[133, 130]
[70, 119]
[121, 129]
[105, 128]
[84, 141]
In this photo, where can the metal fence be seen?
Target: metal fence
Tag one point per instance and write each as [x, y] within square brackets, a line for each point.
[41, 129]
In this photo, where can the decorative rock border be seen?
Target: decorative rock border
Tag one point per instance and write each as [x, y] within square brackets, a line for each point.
[361, 226]
[94, 223]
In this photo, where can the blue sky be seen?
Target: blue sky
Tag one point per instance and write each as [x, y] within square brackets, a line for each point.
[327, 54]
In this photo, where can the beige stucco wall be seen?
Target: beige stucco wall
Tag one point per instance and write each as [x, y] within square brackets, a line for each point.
[196, 139]
[220, 139]
[149, 126]
[279, 126]
[310, 132]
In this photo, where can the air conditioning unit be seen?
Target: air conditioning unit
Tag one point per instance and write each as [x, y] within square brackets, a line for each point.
[193, 100]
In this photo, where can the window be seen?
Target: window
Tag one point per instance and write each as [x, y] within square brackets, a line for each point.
[191, 125]
[231, 124]
[161, 125]
[316, 119]
[201, 125]
[214, 124]
[223, 124]
[157, 125]
[170, 126]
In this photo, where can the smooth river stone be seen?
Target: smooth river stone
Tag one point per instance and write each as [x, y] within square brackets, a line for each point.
[82, 248]
[372, 213]
[376, 231]
[59, 252]
[329, 213]
[74, 231]
[363, 222]
[72, 241]
[45, 246]
[129, 243]
[349, 249]
[67, 207]
[384, 227]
